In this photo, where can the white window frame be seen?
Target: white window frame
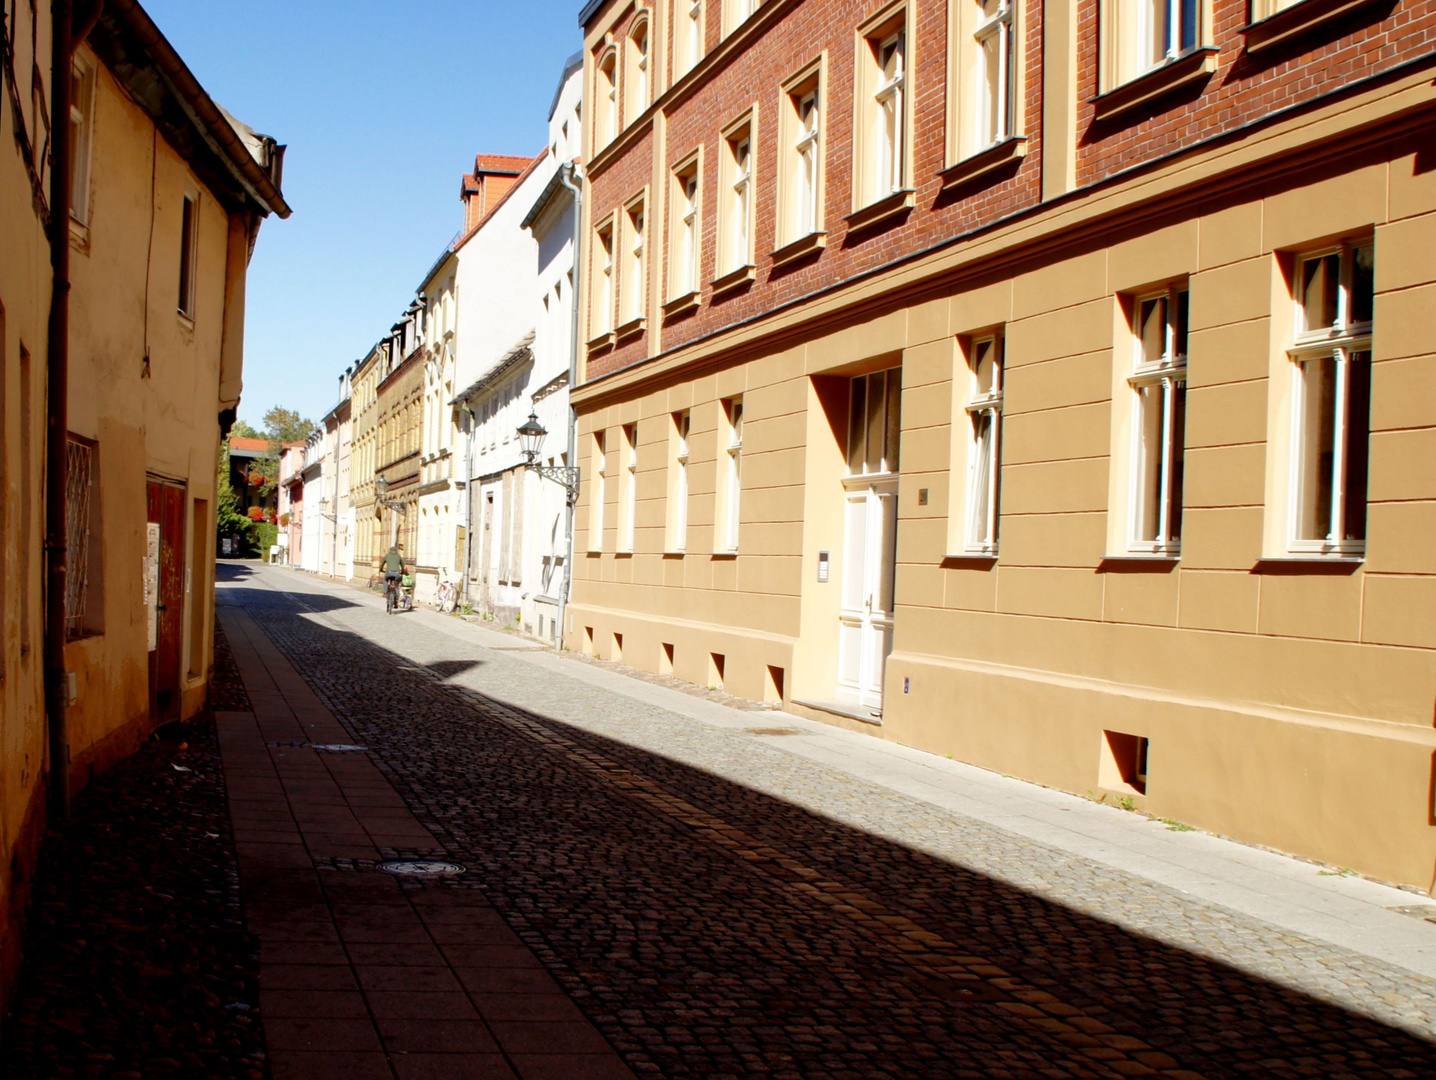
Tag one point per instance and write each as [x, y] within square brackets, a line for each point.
[599, 494]
[686, 246]
[736, 196]
[733, 494]
[638, 77]
[605, 128]
[1132, 41]
[807, 163]
[888, 108]
[690, 37]
[984, 458]
[630, 492]
[1345, 341]
[632, 290]
[604, 307]
[82, 128]
[1167, 370]
[683, 426]
[736, 13]
[994, 120]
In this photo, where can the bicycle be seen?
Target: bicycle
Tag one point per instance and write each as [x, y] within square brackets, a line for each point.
[391, 595]
[447, 598]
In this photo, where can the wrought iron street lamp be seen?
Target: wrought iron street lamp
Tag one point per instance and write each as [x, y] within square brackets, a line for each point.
[531, 437]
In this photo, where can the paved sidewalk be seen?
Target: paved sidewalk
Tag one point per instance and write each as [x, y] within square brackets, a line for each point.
[361, 975]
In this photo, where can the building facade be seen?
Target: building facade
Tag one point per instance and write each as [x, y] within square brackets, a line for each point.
[1032, 385]
[338, 558]
[398, 431]
[156, 211]
[442, 532]
[364, 424]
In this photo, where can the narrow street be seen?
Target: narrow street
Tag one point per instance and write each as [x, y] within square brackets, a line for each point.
[660, 884]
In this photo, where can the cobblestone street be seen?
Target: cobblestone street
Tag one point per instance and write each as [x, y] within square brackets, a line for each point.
[718, 902]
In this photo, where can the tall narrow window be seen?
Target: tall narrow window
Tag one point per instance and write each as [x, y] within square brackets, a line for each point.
[606, 110]
[679, 541]
[736, 13]
[887, 161]
[1159, 387]
[82, 549]
[603, 283]
[806, 163]
[630, 487]
[984, 462]
[632, 290]
[82, 114]
[994, 71]
[738, 201]
[733, 465]
[684, 251]
[189, 230]
[636, 77]
[688, 35]
[1332, 353]
[598, 494]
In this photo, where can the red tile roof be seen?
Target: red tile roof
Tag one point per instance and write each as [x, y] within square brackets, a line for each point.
[239, 442]
[500, 163]
[530, 165]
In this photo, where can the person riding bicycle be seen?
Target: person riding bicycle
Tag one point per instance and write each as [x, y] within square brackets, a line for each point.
[393, 566]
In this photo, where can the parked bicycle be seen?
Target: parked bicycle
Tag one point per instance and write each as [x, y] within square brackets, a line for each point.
[447, 598]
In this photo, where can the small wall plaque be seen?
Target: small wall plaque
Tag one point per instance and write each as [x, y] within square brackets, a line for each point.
[822, 566]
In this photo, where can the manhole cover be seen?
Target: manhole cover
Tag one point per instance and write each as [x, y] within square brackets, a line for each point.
[421, 868]
[339, 747]
[773, 731]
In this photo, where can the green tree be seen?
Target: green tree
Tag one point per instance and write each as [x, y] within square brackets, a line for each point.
[244, 431]
[281, 426]
[229, 521]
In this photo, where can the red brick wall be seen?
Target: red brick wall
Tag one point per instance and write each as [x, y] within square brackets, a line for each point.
[1245, 88]
[755, 76]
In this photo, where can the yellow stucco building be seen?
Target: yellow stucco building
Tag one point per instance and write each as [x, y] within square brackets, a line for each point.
[1076, 421]
[165, 197]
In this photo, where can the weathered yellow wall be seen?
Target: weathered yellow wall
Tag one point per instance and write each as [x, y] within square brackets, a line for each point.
[24, 314]
[157, 419]
[1286, 705]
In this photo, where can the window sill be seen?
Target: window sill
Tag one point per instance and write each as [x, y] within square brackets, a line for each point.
[79, 235]
[731, 553]
[1313, 563]
[1140, 562]
[680, 304]
[1297, 19]
[1190, 67]
[602, 341]
[804, 245]
[1013, 148]
[734, 279]
[888, 206]
[970, 560]
[632, 328]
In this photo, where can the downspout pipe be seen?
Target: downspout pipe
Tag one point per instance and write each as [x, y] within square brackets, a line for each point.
[57, 418]
[571, 178]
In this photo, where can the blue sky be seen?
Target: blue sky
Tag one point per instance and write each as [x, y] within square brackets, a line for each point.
[383, 107]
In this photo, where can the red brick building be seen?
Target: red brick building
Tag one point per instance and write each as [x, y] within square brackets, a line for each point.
[1046, 385]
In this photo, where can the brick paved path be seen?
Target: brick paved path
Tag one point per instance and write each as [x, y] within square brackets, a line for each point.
[719, 908]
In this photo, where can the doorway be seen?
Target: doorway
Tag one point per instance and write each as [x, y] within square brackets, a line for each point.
[869, 569]
[164, 595]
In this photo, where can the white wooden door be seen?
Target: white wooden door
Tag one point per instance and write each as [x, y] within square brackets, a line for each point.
[865, 635]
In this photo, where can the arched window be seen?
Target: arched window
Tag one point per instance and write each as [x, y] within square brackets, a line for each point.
[605, 112]
[636, 72]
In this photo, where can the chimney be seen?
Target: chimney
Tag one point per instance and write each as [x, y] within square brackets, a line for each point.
[481, 189]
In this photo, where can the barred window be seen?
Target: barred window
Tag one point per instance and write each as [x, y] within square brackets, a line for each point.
[82, 557]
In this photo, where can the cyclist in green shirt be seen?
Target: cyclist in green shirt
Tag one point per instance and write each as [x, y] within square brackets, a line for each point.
[393, 567]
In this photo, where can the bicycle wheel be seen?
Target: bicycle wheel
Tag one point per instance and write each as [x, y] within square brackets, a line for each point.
[389, 601]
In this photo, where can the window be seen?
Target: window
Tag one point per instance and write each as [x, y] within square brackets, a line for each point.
[605, 113]
[1144, 34]
[678, 485]
[603, 281]
[736, 236]
[984, 451]
[687, 36]
[1331, 352]
[82, 116]
[993, 79]
[874, 422]
[684, 246]
[189, 237]
[83, 559]
[800, 194]
[636, 81]
[631, 291]
[736, 13]
[882, 101]
[597, 495]
[1159, 409]
[732, 477]
[630, 487]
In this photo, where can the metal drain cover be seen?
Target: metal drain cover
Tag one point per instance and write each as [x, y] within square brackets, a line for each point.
[339, 747]
[421, 868]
